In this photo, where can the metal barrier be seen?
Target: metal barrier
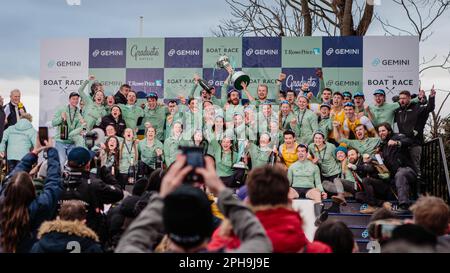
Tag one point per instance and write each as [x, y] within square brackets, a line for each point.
[435, 169]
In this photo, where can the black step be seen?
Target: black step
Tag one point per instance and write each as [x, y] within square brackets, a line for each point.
[351, 219]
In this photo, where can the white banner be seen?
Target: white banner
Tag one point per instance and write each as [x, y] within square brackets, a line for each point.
[390, 63]
[64, 66]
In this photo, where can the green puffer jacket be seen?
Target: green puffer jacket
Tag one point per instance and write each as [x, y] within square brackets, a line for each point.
[20, 137]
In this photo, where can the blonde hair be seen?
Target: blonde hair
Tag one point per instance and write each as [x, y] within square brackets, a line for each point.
[27, 116]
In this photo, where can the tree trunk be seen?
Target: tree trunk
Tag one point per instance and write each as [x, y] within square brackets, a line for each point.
[365, 20]
[347, 21]
[307, 19]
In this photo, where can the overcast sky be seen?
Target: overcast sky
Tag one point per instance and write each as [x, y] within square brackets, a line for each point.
[23, 23]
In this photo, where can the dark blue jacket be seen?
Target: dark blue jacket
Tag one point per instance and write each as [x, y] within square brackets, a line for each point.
[42, 208]
[66, 237]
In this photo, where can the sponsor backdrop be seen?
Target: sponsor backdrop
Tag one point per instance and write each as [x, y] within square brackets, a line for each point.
[167, 65]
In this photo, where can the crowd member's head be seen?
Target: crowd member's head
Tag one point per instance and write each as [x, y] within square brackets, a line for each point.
[193, 104]
[360, 131]
[262, 91]
[131, 98]
[325, 110]
[337, 99]
[404, 98]
[302, 102]
[349, 110]
[79, 158]
[198, 136]
[97, 87]
[238, 119]
[172, 106]
[264, 140]
[249, 113]
[110, 130]
[27, 116]
[353, 155]
[359, 99]
[74, 99]
[273, 127]
[128, 134]
[187, 218]
[219, 124]
[285, 107]
[266, 109]
[347, 96]
[14, 220]
[99, 97]
[337, 235]
[111, 144]
[150, 133]
[15, 96]
[268, 186]
[234, 97]
[326, 95]
[177, 129]
[319, 138]
[379, 97]
[116, 112]
[384, 130]
[302, 152]
[289, 137]
[418, 238]
[125, 89]
[72, 210]
[341, 153]
[152, 100]
[290, 96]
[110, 100]
[432, 213]
[226, 143]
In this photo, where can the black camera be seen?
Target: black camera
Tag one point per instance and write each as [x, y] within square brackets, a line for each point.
[90, 139]
[194, 158]
[382, 229]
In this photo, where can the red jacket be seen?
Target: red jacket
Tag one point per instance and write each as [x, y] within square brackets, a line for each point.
[284, 227]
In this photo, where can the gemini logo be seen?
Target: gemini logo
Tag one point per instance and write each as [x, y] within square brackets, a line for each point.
[376, 61]
[171, 52]
[53, 63]
[390, 62]
[342, 51]
[106, 53]
[261, 52]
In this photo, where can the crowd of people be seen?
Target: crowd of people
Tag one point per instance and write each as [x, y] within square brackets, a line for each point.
[133, 191]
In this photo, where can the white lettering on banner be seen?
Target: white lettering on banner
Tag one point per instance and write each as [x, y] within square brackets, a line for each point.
[111, 83]
[342, 51]
[216, 83]
[145, 83]
[261, 52]
[292, 84]
[106, 53]
[184, 52]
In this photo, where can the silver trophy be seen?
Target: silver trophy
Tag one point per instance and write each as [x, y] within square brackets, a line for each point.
[241, 150]
[236, 77]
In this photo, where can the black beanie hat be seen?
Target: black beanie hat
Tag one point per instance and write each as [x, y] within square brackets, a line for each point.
[187, 215]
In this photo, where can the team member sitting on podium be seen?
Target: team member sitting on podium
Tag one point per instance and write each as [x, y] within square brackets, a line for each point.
[304, 177]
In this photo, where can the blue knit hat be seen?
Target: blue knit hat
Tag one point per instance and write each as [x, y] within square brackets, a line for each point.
[341, 148]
